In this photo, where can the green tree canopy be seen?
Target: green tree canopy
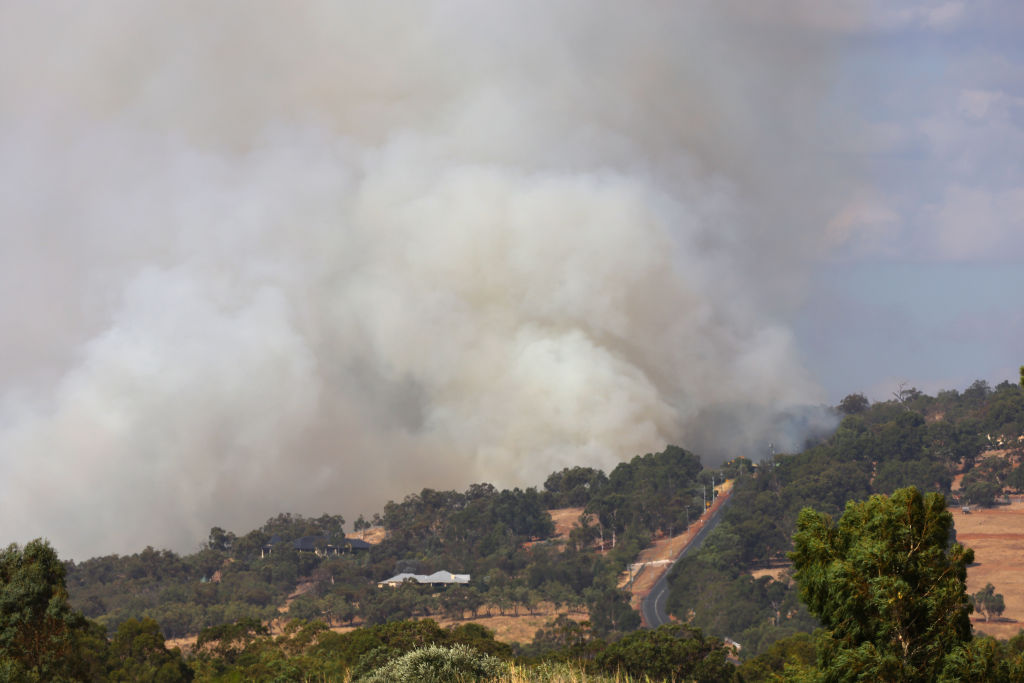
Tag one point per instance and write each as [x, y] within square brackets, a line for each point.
[138, 653]
[887, 584]
[988, 602]
[670, 652]
[38, 629]
[854, 404]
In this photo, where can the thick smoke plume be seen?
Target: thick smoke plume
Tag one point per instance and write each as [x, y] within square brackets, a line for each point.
[271, 256]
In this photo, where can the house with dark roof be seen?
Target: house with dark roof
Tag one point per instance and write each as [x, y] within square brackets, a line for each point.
[268, 547]
[315, 544]
[355, 545]
[318, 545]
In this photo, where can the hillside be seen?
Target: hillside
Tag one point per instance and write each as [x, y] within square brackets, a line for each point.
[518, 554]
[915, 439]
[572, 546]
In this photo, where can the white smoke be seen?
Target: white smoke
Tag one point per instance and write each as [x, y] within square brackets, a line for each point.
[265, 256]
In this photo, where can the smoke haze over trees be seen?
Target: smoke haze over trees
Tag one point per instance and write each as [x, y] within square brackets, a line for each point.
[261, 258]
[877, 578]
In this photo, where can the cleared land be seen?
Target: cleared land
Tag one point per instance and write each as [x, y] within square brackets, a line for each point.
[521, 629]
[373, 535]
[997, 537]
[508, 628]
[565, 519]
[780, 573]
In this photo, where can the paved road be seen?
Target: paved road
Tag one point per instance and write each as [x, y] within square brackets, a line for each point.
[653, 606]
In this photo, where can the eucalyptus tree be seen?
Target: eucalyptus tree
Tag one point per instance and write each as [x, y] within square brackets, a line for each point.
[888, 585]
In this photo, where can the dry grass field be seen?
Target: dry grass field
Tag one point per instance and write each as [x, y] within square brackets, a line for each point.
[517, 629]
[997, 537]
[373, 535]
[509, 628]
[779, 573]
[565, 519]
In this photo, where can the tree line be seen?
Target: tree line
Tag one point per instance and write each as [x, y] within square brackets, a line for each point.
[885, 581]
[502, 538]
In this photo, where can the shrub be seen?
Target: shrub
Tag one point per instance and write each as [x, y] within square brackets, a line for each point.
[436, 664]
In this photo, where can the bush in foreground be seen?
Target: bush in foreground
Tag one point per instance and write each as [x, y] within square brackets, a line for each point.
[437, 664]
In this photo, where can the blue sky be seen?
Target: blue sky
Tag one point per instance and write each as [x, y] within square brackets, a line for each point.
[871, 325]
[925, 284]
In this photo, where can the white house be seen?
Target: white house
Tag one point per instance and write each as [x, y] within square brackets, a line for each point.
[439, 578]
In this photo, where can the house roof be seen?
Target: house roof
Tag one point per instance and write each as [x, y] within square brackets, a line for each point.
[437, 577]
[309, 543]
[401, 578]
[446, 577]
[274, 540]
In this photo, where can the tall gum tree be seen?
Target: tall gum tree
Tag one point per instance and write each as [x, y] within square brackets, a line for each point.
[888, 584]
[37, 626]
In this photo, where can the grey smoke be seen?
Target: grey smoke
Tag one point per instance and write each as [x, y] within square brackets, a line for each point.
[260, 256]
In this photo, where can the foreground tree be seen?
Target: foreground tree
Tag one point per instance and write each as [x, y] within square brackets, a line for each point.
[39, 632]
[670, 652]
[888, 586]
[43, 639]
[138, 653]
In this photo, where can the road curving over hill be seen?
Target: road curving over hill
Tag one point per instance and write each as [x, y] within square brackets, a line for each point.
[652, 608]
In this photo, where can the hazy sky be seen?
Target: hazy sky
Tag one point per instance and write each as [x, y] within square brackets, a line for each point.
[926, 287]
[258, 257]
